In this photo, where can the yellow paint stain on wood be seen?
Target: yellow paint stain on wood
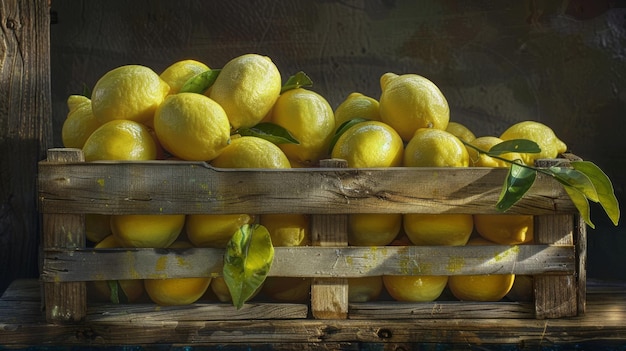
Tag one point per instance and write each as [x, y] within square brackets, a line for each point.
[161, 263]
[499, 256]
[455, 264]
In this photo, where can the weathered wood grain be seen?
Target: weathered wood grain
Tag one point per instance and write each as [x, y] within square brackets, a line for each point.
[25, 131]
[196, 187]
[309, 261]
[604, 324]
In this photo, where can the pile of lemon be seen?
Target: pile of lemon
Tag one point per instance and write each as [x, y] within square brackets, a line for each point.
[135, 113]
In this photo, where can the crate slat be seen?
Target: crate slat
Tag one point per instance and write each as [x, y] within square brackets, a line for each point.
[196, 188]
[310, 261]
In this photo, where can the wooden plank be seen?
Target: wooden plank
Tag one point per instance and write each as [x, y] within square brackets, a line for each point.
[310, 261]
[581, 258]
[441, 309]
[604, 324]
[64, 302]
[25, 131]
[195, 187]
[555, 296]
[329, 296]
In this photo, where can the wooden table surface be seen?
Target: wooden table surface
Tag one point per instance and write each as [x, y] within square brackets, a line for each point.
[603, 327]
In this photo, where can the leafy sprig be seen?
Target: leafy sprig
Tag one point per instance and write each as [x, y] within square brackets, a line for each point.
[582, 180]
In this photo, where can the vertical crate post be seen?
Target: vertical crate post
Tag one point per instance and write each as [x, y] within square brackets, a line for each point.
[555, 295]
[64, 302]
[329, 296]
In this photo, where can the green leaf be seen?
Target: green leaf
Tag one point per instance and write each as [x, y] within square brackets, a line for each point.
[603, 186]
[342, 129]
[518, 181]
[247, 261]
[515, 145]
[298, 80]
[117, 293]
[574, 178]
[200, 82]
[580, 201]
[271, 132]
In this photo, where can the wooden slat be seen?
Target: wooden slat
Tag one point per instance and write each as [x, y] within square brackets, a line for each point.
[441, 309]
[64, 302]
[604, 324]
[195, 187]
[329, 295]
[139, 263]
[555, 296]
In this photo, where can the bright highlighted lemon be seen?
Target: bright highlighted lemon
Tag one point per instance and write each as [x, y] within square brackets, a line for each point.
[357, 105]
[370, 144]
[192, 127]
[409, 102]
[418, 288]
[131, 92]
[309, 118]
[247, 88]
[120, 140]
[214, 230]
[178, 73]
[251, 152]
[551, 146]
[438, 229]
[435, 148]
[287, 229]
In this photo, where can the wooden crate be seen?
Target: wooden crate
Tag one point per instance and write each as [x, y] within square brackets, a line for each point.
[69, 188]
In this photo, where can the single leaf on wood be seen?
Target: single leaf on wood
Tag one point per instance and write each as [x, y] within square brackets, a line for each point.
[603, 186]
[247, 261]
[518, 180]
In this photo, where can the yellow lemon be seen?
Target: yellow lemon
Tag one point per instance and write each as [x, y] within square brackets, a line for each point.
[131, 92]
[485, 143]
[417, 288]
[551, 146]
[251, 152]
[247, 88]
[460, 131]
[97, 227]
[373, 229]
[99, 289]
[364, 289]
[214, 230]
[357, 105]
[290, 229]
[79, 123]
[192, 127]
[435, 148]
[155, 231]
[177, 291]
[287, 289]
[505, 229]
[369, 144]
[178, 73]
[309, 118]
[488, 287]
[120, 140]
[438, 229]
[409, 102]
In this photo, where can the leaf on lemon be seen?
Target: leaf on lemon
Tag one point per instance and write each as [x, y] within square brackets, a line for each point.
[298, 80]
[247, 261]
[200, 82]
[271, 132]
[518, 180]
[571, 177]
[580, 201]
[342, 129]
[603, 186]
[515, 145]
